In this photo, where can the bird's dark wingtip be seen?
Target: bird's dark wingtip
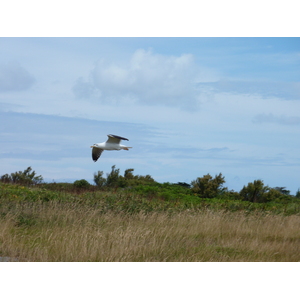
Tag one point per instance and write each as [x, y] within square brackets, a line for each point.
[117, 137]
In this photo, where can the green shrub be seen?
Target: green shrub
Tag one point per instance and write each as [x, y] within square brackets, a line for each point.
[274, 194]
[208, 187]
[58, 186]
[257, 192]
[230, 195]
[26, 177]
[82, 184]
[115, 180]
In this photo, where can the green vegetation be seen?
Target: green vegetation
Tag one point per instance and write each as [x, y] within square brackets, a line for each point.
[114, 179]
[135, 193]
[82, 184]
[26, 177]
[133, 218]
[208, 187]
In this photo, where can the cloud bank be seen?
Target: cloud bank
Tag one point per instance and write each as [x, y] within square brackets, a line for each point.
[147, 78]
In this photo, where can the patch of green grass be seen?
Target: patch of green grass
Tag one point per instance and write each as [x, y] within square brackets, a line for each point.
[147, 198]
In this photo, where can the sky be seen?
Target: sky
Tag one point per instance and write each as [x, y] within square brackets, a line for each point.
[189, 107]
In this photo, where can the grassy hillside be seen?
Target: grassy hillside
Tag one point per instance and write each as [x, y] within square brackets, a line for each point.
[58, 222]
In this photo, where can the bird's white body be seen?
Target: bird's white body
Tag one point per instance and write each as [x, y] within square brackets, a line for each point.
[110, 146]
[113, 143]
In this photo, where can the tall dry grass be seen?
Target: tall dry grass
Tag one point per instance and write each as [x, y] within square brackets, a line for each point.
[68, 232]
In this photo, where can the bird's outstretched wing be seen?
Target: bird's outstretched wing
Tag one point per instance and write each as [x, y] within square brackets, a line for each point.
[96, 152]
[115, 139]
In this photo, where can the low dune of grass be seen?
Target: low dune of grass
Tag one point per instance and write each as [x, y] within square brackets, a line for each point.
[39, 224]
[66, 232]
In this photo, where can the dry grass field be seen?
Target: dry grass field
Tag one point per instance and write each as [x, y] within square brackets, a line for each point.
[69, 232]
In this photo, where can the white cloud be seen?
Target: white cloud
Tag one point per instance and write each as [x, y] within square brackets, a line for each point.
[147, 78]
[13, 77]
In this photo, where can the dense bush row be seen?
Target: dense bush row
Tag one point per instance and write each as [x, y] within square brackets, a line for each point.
[205, 187]
[164, 197]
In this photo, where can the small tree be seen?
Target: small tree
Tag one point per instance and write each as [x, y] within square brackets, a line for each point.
[207, 186]
[99, 179]
[275, 194]
[113, 177]
[282, 190]
[6, 178]
[254, 191]
[128, 174]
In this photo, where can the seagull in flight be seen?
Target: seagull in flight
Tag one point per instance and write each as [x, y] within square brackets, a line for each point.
[112, 143]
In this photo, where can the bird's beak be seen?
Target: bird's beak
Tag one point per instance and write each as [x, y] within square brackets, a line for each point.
[92, 146]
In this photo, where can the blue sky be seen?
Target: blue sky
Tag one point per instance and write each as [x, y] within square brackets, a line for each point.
[189, 106]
